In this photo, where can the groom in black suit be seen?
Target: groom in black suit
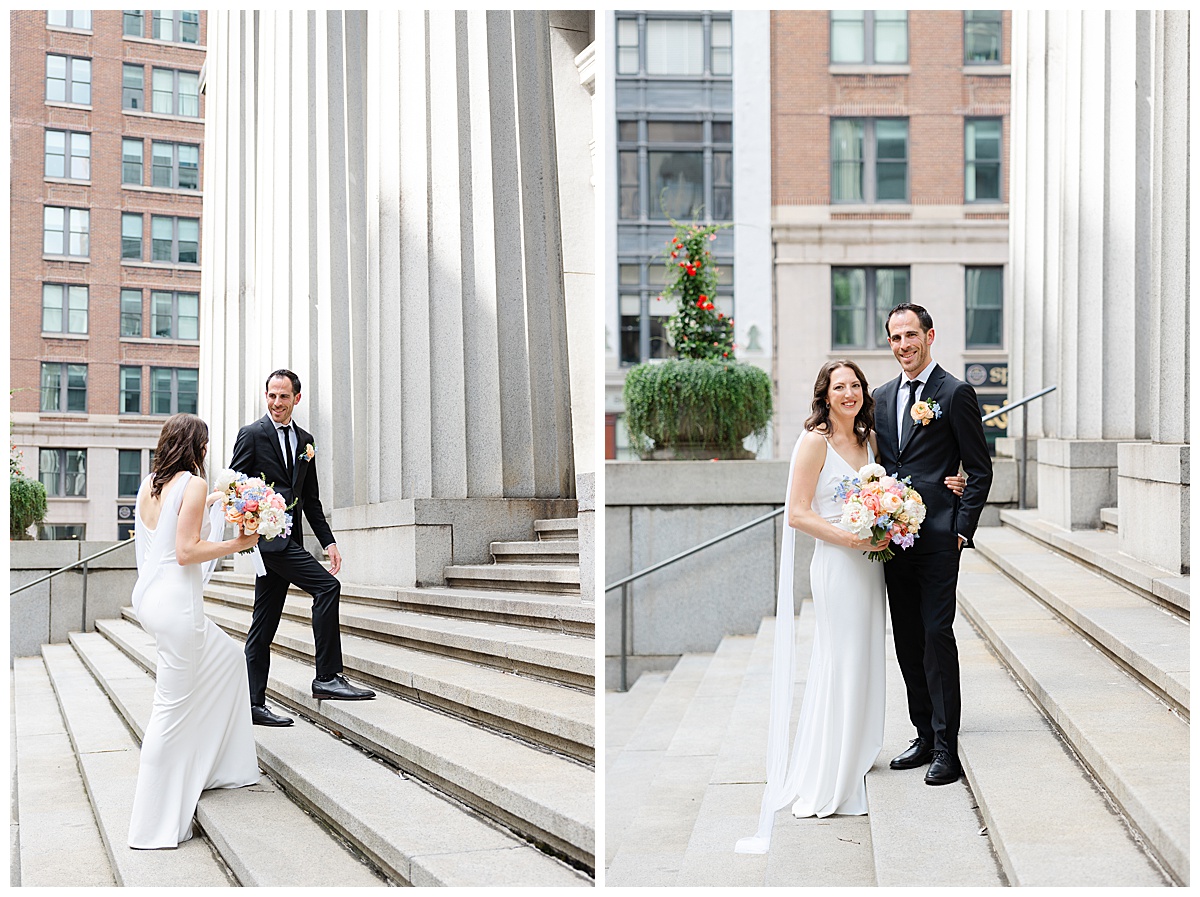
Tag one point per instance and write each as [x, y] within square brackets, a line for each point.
[922, 580]
[278, 450]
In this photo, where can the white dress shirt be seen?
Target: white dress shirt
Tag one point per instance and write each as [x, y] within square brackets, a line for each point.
[902, 395]
[291, 434]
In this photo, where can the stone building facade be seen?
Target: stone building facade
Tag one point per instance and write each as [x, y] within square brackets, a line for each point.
[415, 240]
[889, 182]
[1100, 268]
[106, 174]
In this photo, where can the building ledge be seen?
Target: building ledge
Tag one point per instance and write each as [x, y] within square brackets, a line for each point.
[82, 336]
[66, 30]
[162, 116]
[70, 182]
[988, 71]
[155, 42]
[842, 68]
[159, 341]
[161, 266]
[59, 104]
[167, 191]
[66, 258]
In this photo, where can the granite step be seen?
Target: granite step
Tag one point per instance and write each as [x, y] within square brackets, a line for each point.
[624, 711]
[656, 839]
[560, 528]
[294, 850]
[569, 660]
[1110, 519]
[557, 579]
[550, 551]
[630, 776]
[59, 839]
[108, 756]
[546, 798]
[1135, 746]
[1099, 551]
[1147, 641]
[411, 833]
[557, 718]
[542, 610]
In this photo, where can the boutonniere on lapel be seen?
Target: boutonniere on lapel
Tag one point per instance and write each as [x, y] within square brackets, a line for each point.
[924, 413]
[309, 452]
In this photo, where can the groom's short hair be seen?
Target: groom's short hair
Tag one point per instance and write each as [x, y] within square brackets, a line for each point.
[284, 374]
[922, 315]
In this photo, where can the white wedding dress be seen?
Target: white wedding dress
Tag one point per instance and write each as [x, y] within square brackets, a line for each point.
[199, 735]
[840, 732]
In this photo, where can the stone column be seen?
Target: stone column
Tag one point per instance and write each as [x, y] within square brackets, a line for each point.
[389, 228]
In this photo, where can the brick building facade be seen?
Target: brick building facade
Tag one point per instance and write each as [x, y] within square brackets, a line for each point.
[107, 146]
[889, 183]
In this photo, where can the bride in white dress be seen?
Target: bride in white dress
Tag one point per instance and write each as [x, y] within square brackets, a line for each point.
[840, 731]
[199, 735]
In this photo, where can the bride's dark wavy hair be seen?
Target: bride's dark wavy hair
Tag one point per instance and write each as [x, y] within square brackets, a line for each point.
[180, 447]
[864, 421]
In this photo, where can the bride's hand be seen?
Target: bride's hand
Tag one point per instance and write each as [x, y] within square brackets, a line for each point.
[956, 483]
[244, 541]
[868, 544]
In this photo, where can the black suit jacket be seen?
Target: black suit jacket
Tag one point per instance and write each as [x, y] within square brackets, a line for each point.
[256, 453]
[933, 452]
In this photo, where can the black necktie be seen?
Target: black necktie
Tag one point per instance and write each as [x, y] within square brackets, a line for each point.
[287, 449]
[906, 423]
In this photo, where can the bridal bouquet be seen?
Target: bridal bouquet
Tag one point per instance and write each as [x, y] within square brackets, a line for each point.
[253, 505]
[877, 506]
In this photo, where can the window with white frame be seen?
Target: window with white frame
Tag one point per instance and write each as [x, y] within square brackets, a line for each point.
[65, 231]
[64, 308]
[68, 154]
[674, 46]
[68, 79]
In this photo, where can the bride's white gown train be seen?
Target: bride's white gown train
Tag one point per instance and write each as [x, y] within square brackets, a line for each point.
[199, 735]
[840, 731]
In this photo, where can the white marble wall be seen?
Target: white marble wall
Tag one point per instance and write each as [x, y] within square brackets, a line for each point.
[391, 230]
[1099, 253]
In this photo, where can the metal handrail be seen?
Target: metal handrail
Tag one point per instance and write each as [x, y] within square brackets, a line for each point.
[623, 584]
[82, 562]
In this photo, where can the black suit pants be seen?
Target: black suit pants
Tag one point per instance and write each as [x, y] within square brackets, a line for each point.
[292, 566]
[921, 595]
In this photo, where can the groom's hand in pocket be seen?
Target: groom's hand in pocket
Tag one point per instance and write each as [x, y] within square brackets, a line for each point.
[335, 558]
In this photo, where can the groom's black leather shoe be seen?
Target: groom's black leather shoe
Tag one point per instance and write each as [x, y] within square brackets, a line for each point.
[919, 753]
[261, 716]
[943, 770]
[338, 689]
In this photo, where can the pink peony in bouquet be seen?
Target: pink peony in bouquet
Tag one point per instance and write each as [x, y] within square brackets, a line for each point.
[877, 506]
[253, 505]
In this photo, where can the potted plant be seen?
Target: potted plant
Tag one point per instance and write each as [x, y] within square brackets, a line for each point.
[26, 498]
[702, 403]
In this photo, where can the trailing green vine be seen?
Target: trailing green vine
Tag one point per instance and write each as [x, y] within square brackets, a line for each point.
[26, 497]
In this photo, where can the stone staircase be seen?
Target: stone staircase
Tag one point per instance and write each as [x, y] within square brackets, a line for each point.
[1074, 741]
[473, 766]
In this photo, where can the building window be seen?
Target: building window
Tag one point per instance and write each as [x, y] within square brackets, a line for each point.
[70, 18]
[175, 315]
[983, 159]
[65, 231]
[177, 25]
[131, 161]
[64, 386]
[56, 532]
[627, 47]
[175, 92]
[68, 155]
[133, 84]
[175, 165]
[64, 308]
[722, 47]
[63, 471]
[675, 173]
[674, 47]
[133, 24]
[173, 390]
[869, 159]
[69, 80]
[981, 36]
[175, 240]
[129, 472]
[865, 37]
[131, 236]
[130, 399]
[131, 312]
[985, 307]
[862, 298]
[644, 316]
